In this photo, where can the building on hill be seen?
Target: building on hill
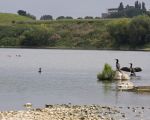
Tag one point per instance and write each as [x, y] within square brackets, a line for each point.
[126, 11]
[109, 12]
[112, 10]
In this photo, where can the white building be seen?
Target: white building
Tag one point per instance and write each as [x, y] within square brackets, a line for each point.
[109, 11]
[112, 10]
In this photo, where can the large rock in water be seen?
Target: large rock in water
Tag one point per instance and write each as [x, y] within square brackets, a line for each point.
[121, 76]
[118, 75]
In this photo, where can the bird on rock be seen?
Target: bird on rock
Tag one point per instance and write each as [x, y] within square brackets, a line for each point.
[132, 69]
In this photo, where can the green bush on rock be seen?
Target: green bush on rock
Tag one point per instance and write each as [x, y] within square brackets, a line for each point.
[107, 73]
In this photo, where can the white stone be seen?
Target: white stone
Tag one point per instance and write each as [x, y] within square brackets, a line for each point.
[118, 75]
[125, 76]
[121, 76]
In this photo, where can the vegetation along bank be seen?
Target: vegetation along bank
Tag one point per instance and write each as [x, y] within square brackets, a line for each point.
[122, 33]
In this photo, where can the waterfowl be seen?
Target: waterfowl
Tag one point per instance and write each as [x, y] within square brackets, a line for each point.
[40, 70]
[131, 69]
[117, 65]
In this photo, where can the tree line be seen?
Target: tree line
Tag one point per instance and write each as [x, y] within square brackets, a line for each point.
[50, 17]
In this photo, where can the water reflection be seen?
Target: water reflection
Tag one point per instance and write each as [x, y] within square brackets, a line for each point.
[106, 85]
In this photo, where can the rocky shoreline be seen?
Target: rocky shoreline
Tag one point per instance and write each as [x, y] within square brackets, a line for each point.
[65, 112]
[77, 112]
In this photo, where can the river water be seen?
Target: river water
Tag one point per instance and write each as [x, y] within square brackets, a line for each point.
[68, 76]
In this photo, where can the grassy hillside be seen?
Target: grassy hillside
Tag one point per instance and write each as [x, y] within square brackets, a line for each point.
[7, 18]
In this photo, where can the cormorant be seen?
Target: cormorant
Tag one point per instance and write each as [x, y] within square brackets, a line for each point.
[117, 65]
[131, 69]
[40, 70]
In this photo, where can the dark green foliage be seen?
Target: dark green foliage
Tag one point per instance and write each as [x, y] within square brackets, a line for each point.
[88, 17]
[26, 36]
[63, 18]
[119, 32]
[143, 7]
[121, 7]
[36, 37]
[107, 73]
[80, 18]
[132, 34]
[24, 13]
[137, 5]
[69, 17]
[60, 18]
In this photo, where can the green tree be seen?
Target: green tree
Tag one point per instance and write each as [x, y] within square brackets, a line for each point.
[143, 7]
[60, 18]
[22, 12]
[88, 17]
[69, 17]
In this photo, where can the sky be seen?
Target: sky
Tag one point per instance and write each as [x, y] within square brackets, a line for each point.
[74, 8]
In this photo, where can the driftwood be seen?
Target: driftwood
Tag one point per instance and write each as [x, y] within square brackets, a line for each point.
[142, 89]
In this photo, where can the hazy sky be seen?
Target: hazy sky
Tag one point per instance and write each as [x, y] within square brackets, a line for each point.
[74, 8]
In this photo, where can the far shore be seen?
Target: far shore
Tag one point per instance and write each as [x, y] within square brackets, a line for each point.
[72, 48]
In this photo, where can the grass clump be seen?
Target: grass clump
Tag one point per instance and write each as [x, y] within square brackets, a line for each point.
[107, 73]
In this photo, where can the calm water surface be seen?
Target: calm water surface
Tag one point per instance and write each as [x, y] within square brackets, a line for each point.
[69, 76]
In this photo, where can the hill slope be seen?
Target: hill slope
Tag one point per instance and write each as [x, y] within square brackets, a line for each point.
[7, 18]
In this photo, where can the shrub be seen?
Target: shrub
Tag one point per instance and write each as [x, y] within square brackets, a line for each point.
[107, 73]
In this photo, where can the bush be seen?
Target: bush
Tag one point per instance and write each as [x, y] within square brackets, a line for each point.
[107, 73]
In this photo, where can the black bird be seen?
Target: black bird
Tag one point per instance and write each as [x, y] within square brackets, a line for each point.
[40, 70]
[117, 65]
[131, 69]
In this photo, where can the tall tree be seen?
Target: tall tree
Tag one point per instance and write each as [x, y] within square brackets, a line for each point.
[136, 4]
[143, 7]
[121, 7]
[140, 6]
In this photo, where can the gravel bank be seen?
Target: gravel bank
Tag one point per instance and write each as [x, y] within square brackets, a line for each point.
[65, 112]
